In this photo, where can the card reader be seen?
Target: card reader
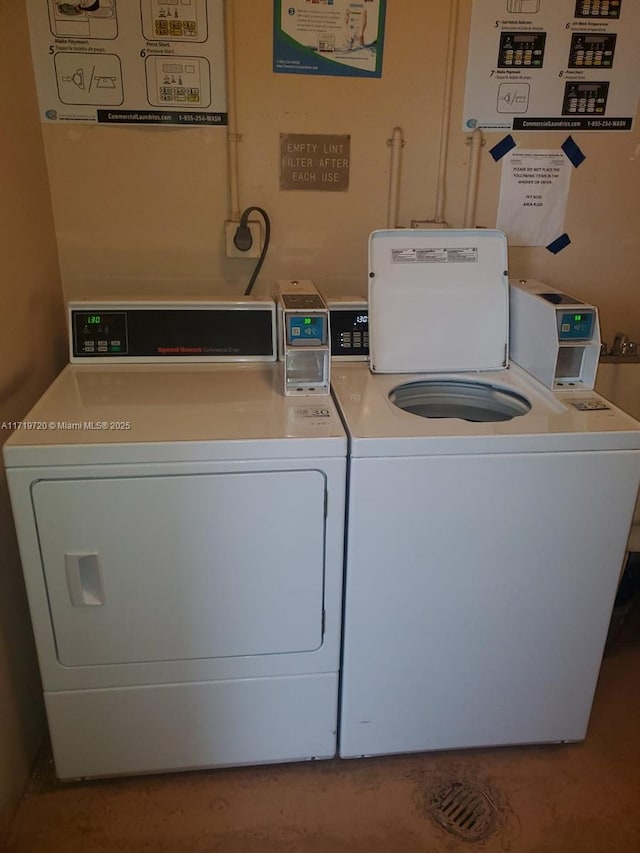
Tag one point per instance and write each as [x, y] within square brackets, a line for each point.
[304, 340]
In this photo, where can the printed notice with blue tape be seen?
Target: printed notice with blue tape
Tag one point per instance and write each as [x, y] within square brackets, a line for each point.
[533, 197]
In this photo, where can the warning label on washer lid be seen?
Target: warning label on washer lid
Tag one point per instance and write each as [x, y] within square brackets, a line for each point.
[457, 255]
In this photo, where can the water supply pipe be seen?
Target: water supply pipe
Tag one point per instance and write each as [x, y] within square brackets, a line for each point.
[233, 137]
[396, 143]
[446, 112]
[475, 141]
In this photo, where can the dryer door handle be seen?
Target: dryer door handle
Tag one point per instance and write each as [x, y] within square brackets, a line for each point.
[84, 579]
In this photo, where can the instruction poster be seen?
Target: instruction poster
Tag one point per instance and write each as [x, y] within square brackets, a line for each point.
[341, 38]
[152, 62]
[533, 196]
[553, 65]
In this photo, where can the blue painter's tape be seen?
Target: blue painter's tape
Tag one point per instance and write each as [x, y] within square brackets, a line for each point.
[559, 244]
[573, 151]
[503, 147]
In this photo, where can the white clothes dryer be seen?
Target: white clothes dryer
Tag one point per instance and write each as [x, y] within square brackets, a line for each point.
[487, 516]
[181, 534]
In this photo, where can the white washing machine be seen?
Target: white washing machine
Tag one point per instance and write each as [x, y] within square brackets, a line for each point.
[181, 533]
[487, 516]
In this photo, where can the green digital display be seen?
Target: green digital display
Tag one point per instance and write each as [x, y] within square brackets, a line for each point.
[94, 320]
[577, 318]
[307, 321]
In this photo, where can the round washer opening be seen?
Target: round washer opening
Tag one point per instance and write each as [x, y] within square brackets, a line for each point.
[478, 402]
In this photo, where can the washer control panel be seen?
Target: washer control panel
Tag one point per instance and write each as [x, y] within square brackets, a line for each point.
[349, 329]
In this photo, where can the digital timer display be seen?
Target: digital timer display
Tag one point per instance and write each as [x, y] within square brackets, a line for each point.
[576, 327]
[306, 330]
[94, 320]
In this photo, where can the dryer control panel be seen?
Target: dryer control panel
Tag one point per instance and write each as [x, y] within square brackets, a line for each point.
[139, 332]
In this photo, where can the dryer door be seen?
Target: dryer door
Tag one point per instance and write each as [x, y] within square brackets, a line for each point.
[183, 567]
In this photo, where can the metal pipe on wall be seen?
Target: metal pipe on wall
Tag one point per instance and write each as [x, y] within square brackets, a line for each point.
[396, 143]
[446, 112]
[476, 141]
[232, 130]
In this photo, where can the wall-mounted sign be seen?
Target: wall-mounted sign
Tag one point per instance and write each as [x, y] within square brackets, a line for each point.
[314, 161]
[341, 38]
[533, 196]
[553, 65]
[136, 62]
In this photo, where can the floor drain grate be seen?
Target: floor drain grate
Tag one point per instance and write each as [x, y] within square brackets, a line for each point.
[464, 810]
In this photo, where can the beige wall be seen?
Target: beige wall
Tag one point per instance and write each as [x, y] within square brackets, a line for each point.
[147, 205]
[31, 331]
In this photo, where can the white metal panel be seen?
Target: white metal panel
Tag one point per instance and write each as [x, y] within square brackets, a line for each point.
[170, 413]
[186, 726]
[438, 300]
[192, 567]
[478, 596]
[58, 677]
[620, 382]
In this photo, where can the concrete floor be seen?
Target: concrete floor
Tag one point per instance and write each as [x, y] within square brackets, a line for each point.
[574, 799]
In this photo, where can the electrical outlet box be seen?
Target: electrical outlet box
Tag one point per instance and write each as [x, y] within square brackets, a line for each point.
[255, 226]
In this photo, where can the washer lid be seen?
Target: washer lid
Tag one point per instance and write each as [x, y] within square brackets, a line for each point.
[438, 300]
[478, 402]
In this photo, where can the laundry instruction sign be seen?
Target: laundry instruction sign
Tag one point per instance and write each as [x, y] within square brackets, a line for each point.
[553, 65]
[146, 62]
[314, 161]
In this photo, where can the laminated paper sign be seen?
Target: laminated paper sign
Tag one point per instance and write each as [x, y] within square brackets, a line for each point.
[332, 37]
[146, 62]
[553, 65]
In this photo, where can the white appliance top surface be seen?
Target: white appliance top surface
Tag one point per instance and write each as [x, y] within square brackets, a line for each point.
[173, 412]
[379, 428]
